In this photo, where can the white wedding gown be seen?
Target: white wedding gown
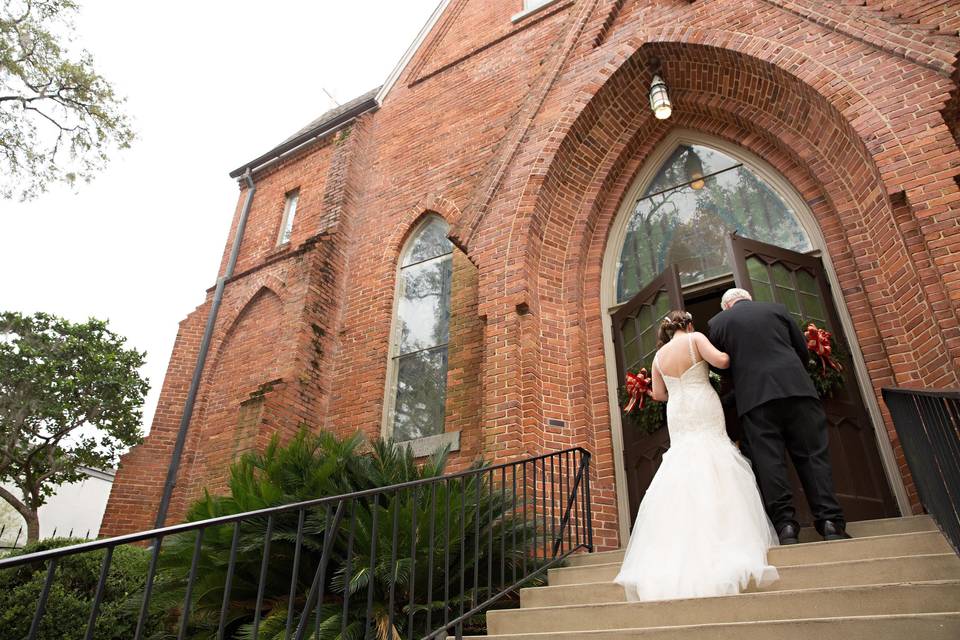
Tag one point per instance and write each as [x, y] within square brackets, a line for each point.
[701, 529]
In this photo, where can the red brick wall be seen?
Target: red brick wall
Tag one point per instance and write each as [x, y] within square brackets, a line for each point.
[465, 362]
[525, 138]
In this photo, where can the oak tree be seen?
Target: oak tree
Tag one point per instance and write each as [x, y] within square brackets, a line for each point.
[59, 118]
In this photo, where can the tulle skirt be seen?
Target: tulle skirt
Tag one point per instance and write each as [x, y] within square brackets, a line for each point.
[701, 529]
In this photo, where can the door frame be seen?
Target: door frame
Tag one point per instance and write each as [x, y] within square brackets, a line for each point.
[608, 305]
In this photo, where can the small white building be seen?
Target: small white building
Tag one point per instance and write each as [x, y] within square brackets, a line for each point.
[76, 507]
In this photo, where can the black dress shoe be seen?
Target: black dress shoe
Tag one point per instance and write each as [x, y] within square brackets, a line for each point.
[831, 530]
[788, 533]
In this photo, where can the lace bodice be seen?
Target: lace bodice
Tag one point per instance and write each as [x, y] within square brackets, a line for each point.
[693, 406]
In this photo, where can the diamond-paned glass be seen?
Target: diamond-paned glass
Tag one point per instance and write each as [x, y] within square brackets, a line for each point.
[697, 198]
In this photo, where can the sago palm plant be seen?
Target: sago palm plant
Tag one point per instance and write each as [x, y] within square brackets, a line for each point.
[414, 557]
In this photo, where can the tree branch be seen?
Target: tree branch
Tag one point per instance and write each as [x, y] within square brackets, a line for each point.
[14, 502]
[55, 123]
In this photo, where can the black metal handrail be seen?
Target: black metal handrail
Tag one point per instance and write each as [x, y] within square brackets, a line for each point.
[538, 509]
[928, 424]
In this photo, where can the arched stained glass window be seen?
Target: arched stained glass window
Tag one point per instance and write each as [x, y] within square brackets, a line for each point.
[698, 197]
[419, 345]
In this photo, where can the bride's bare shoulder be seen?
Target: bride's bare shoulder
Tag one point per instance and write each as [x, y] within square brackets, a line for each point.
[699, 336]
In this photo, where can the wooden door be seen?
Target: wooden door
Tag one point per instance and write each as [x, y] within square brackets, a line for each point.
[635, 327]
[799, 282]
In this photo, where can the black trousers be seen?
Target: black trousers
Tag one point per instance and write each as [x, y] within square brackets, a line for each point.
[799, 427]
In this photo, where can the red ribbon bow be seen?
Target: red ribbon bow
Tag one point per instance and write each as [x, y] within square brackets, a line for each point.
[637, 386]
[818, 341]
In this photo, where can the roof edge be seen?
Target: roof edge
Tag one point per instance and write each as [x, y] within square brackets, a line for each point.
[411, 50]
[321, 129]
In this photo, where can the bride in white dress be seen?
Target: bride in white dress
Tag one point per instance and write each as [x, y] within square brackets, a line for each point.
[701, 529]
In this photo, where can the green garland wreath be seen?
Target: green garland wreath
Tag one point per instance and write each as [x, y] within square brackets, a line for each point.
[825, 379]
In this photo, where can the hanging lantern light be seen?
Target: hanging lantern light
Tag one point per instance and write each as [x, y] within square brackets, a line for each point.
[694, 169]
[659, 99]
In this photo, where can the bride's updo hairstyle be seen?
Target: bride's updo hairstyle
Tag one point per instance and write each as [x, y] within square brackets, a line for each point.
[673, 321]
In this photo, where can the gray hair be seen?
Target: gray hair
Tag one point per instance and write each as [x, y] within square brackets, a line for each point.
[731, 296]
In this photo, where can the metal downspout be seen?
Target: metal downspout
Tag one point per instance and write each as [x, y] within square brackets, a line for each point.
[202, 358]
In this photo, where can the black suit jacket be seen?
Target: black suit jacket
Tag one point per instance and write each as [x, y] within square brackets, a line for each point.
[768, 353]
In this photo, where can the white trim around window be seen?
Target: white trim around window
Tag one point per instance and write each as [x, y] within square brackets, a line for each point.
[290, 201]
[406, 345]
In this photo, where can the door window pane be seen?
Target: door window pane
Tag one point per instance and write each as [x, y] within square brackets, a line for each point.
[760, 279]
[629, 330]
[640, 333]
[631, 355]
[698, 197]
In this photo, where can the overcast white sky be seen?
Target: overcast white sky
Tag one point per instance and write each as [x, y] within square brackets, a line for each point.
[210, 85]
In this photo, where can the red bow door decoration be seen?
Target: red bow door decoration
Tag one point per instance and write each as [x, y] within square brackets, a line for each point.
[818, 342]
[637, 386]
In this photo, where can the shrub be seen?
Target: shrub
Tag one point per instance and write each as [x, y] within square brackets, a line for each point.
[71, 595]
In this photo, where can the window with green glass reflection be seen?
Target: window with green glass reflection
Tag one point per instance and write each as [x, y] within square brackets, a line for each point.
[640, 333]
[795, 288]
[697, 197]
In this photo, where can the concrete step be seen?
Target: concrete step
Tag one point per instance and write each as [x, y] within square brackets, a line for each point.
[885, 599]
[902, 544]
[864, 529]
[565, 590]
[925, 626]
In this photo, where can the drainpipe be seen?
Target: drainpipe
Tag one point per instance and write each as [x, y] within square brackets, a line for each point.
[202, 358]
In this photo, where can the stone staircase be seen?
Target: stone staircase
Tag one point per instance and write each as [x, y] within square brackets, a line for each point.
[897, 579]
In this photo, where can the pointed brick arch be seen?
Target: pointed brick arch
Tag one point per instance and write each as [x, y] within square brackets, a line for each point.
[406, 222]
[240, 307]
[826, 138]
[253, 335]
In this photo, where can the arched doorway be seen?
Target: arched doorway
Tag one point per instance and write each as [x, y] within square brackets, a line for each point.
[672, 245]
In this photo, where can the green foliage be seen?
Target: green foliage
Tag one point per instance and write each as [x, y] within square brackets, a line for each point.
[71, 597]
[651, 418]
[313, 466]
[59, 118]
[70, 396]
[826, 379]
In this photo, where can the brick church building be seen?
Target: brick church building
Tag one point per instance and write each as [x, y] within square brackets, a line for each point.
[474, 254]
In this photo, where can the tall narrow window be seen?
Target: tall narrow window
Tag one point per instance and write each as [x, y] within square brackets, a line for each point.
[419, 345]
[289, 212]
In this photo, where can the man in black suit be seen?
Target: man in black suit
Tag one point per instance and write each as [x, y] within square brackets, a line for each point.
[779, 410]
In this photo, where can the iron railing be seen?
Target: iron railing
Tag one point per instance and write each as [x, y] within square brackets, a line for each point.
[20, 534]
[928, 424]
[482, 533]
